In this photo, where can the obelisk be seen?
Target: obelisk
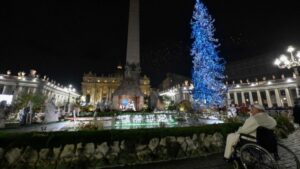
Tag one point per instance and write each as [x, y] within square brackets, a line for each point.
[132, 68]
[133, 37]
[129, 90]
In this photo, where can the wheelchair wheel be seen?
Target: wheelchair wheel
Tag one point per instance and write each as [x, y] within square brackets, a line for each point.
[236, 164]
[254, 156]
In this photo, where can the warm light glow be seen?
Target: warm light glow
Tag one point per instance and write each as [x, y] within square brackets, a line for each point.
[286, 62]
[119, 67]
[298, 54]
[289, 80]
[7, 98]
[283, 58]
[269, 82]
[238, 86]
[291, 49]
[277, 62]
[170, 93]
[83, 98]
[191, 87]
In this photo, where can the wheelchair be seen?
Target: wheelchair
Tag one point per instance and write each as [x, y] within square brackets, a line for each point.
[263, 152]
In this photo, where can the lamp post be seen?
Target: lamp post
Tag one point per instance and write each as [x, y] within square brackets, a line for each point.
[284, 62]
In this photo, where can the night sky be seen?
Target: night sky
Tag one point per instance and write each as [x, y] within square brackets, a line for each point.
[64, 39]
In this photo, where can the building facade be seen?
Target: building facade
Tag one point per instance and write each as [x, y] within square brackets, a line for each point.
[11, 86]
[96, 89]
[179, 92]
[272, 93]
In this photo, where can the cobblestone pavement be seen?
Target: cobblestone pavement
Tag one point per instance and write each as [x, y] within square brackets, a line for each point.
[217, 162]
[211, 162]
[293, 143]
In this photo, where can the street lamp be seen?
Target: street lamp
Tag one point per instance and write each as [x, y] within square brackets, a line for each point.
[290, 62]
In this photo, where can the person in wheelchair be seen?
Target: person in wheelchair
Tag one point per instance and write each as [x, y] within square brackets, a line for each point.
[258, 118]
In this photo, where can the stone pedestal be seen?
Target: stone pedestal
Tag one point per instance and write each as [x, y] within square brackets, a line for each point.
[128, 90]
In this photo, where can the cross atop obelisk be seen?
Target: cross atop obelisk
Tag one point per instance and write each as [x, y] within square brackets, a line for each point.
[133, 41]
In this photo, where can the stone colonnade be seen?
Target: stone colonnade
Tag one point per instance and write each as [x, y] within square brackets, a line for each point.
[269, 94]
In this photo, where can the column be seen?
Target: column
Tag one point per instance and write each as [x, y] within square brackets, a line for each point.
[243, 98]
[34, 90]
[288, 97]
[297, 92]
[4, 89]
[269, 99]
[228, 98]
[278, 99]
[15, 92]
[18, 91]
[297, 87]
[250, 97]
[259, 98]
[100, 92]
[235, 98]
[54, 96]
[109, 94]
[92, 99]
[28, 90]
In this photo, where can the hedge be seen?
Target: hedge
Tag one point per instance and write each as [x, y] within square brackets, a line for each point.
[40, 140]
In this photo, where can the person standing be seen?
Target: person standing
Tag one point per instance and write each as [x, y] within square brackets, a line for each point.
[296, 111]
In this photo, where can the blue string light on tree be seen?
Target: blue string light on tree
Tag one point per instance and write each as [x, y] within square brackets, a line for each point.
[208, 67]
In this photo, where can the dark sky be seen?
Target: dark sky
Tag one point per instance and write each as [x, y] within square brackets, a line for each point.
[64, 39]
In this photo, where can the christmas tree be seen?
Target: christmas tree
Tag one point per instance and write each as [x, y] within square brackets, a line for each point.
[208, 67]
